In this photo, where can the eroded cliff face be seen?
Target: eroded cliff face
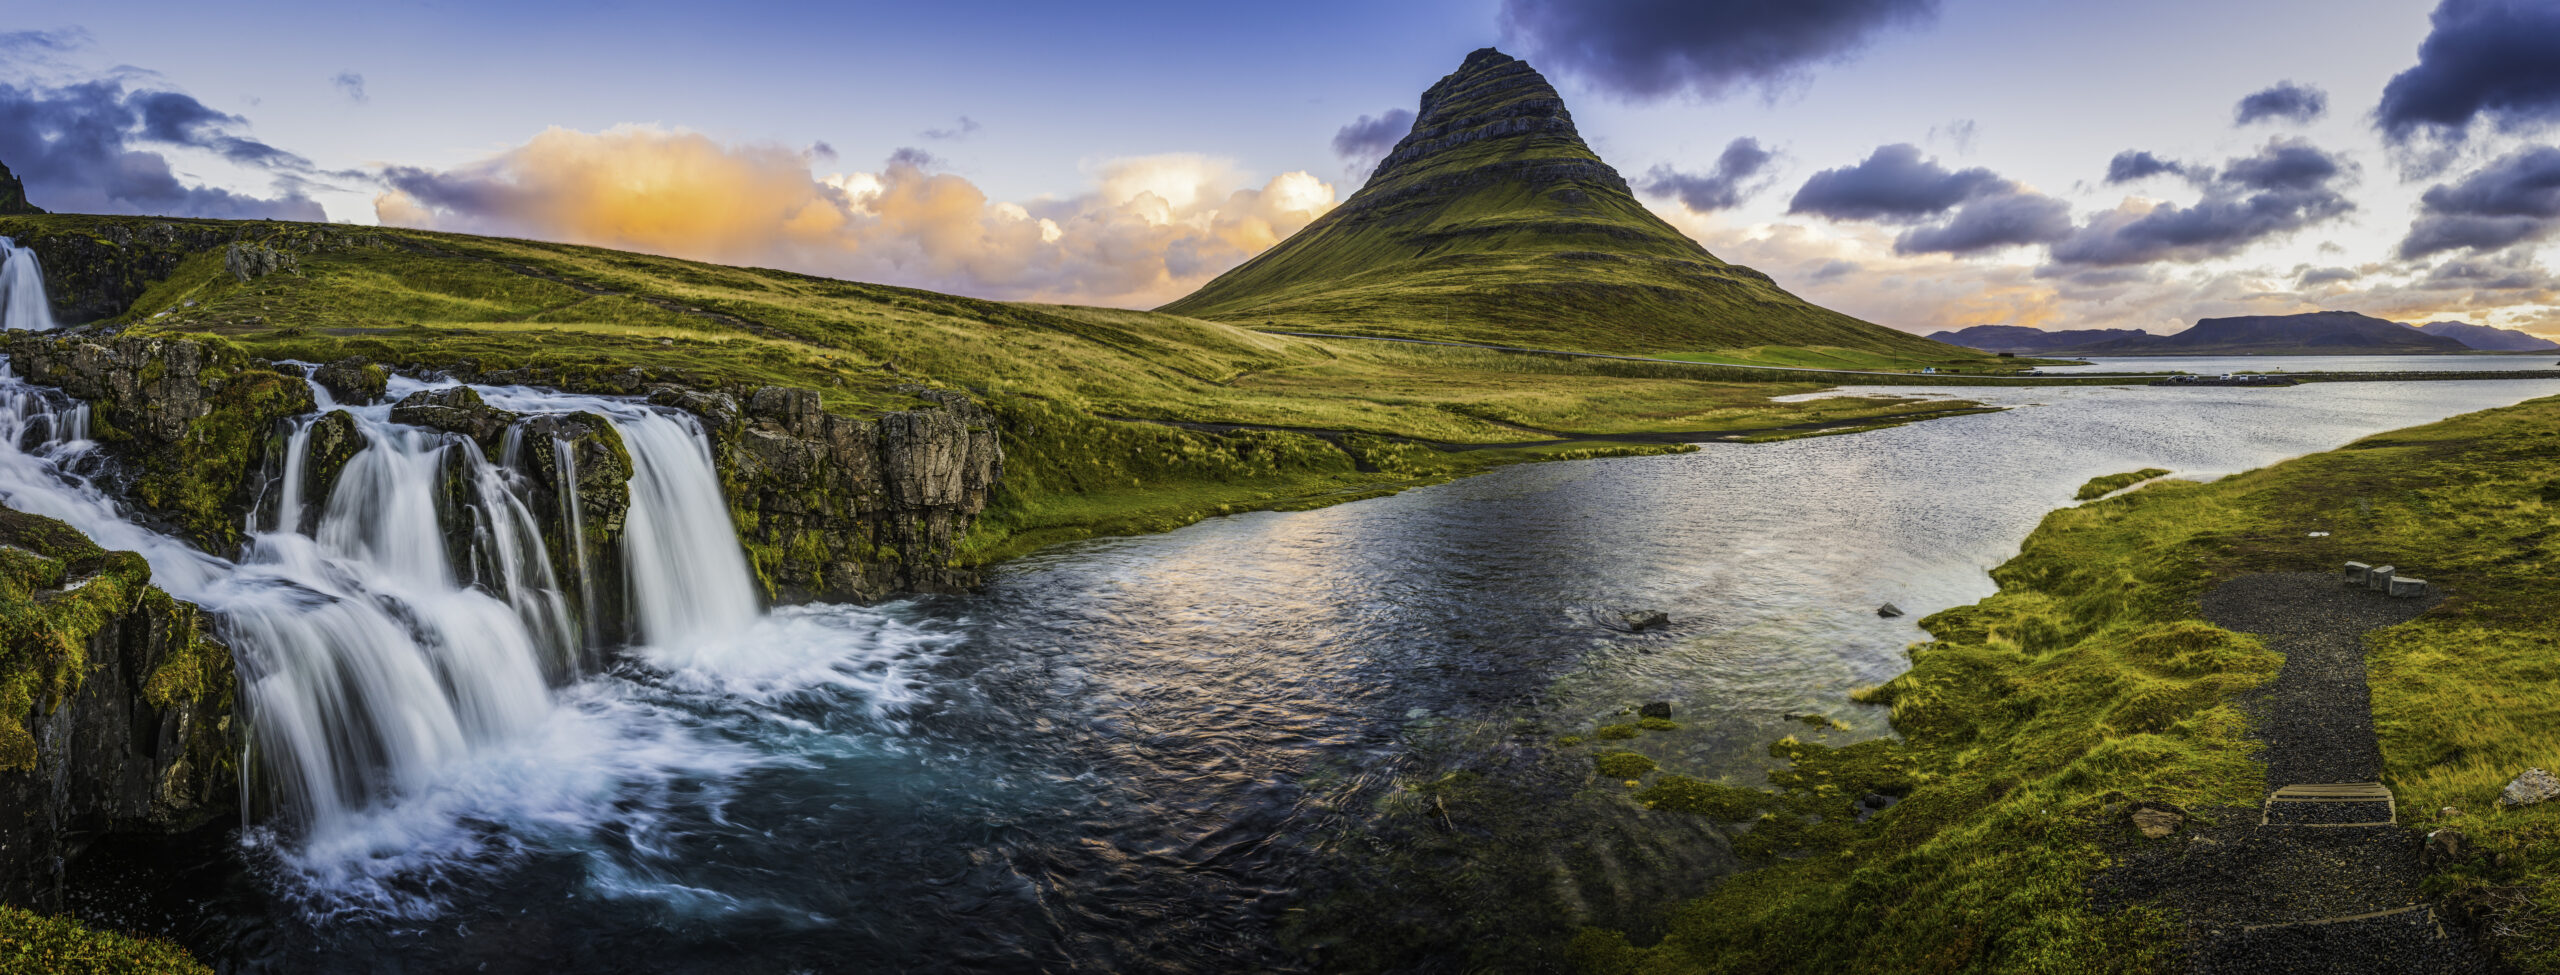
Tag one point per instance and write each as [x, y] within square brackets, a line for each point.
[89, 276]
[115, 704]
[192, 422]
[836, 508]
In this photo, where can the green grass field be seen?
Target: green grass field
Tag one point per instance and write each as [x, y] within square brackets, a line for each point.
[2089, 680]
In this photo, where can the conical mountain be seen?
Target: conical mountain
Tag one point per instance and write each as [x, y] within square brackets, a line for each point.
[1492, 222]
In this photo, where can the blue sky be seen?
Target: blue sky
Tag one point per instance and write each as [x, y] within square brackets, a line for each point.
[1120, 153]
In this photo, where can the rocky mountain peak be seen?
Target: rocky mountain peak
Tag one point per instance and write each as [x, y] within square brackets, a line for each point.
[1495, 101]
[13, 194]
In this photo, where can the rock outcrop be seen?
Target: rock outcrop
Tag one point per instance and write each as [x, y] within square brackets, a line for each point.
[115, 704]
[13, 195]
[831, 507]
[94, 270]
[353, 382]
[193, 423]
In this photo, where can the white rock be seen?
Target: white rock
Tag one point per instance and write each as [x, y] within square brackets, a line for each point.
[2533, 786]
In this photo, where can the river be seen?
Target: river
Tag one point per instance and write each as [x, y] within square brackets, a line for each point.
[1137, 754]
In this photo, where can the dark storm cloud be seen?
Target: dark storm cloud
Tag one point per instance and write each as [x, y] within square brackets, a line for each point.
[1982, 210]
[1367, 140]
[2004, 219]
[351, 85]
[1707, 48]
[962, 129]
[2285, 101]
[1893, 184]
[2493, 59]
[1732, 181]
[2511, 201]
[2134, 164]
[2287, 186]
[74, 147]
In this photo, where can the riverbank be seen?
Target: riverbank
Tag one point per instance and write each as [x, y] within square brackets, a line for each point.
[2035, 719]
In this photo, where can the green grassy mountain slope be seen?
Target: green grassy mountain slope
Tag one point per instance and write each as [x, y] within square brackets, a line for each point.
[1320, 420]
[1493, 222]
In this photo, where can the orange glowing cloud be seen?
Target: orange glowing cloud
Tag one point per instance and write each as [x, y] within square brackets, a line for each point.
[1149, 230]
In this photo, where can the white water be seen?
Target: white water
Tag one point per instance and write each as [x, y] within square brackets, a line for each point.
[22, 301]
[403, 698]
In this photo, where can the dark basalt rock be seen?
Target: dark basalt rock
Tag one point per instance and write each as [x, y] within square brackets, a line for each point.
[193, 424]
[831, 507]
[581, 454]
[457, 409]
[353, 382]
[334, 441]
[129, 728]
[13, 195]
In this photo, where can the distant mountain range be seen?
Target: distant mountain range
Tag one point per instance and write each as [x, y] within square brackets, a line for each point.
[2314, 333]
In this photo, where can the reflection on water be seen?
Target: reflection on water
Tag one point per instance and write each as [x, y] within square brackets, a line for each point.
[2214, 365]
[1119, 755]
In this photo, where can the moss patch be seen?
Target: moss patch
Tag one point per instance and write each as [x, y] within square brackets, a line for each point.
[38, 945]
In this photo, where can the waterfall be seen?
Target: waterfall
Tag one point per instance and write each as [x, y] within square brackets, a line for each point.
[410, 620]
[689, 581]
[22, 299]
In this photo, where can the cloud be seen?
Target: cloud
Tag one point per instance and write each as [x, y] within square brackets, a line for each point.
[1647, 49]
[1734, 179]
[75, 146]
[2493, 59]
[1893, 183]
[962, 129]
[352, 85]
[2286, 186]
[2284, 101]
[2315, 276]
[2513, 200]
[1148, 230]
[40, 43]
[2135, 164]
[1367, 140]
[2004, 219]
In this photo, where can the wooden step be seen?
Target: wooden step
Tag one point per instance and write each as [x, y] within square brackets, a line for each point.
[2333, 792]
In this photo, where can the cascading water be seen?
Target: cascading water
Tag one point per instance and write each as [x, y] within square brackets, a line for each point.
[22, 298]
[384, 667]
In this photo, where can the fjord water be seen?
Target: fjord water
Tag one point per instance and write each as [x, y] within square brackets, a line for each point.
[1121, 755]
[2214, 365]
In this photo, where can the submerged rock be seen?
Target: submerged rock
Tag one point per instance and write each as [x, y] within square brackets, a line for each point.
[1888, 611]
[1655, 709]
[2534, 786]
[1647, 621]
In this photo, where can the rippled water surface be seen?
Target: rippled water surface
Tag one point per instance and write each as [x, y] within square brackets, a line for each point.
[1119, 755]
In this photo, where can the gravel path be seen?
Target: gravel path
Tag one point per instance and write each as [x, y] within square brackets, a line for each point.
[2292, 898]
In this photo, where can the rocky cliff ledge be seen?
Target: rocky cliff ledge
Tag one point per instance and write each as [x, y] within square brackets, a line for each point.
[835, 508]
[97, 273]
[115, 705]
[192, 422]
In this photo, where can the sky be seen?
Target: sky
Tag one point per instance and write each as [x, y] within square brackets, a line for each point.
[1924, 164]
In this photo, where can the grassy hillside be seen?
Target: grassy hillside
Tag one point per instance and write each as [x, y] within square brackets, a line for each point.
[1494, 222]
[2089, 681]
[1076, 379]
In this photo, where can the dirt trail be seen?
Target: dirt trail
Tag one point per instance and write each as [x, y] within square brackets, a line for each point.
[2320, 878]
